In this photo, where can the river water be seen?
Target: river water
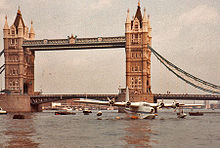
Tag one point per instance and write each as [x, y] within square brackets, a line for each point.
[46, 130]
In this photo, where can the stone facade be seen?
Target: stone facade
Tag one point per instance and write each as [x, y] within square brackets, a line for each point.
[16, 103]
[19, 62]
[138, 56]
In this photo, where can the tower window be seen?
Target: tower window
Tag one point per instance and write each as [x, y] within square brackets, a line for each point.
[136, 81]
[136, 68]
[136, 26]
[136, 36]
[12, 41]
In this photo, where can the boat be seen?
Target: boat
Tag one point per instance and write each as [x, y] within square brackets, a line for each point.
[110, 108]
[181, 115]
[196, 113]
[2, 111]
[99, 113]
[64, 113]
[67, 108]
[86, 111]
[18, 116]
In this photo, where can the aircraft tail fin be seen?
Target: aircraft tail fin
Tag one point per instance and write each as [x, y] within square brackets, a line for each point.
[127, 95]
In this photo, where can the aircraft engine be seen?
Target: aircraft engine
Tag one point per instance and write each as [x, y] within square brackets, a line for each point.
[161, 105]
[128, 104]
[177, 105]
[111, 102]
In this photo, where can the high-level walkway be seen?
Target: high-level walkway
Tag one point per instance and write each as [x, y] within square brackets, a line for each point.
[75, 43]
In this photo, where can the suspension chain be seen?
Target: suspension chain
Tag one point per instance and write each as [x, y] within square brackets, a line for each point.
[188, 78]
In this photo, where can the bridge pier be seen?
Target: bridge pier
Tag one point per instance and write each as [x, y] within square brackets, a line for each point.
[16, 103]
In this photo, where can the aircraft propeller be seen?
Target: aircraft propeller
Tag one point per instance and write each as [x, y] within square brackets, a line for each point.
[111, 102]
[161, 104]
[128, 103]
[175, 104]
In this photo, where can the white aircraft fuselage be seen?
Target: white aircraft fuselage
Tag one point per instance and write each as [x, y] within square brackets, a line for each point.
[143, 111]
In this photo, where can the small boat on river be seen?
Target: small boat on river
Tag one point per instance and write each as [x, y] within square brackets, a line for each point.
[196, 113]
[99, 113]
[64, 113]
[2, 112]
[181, 115]
[86, 111]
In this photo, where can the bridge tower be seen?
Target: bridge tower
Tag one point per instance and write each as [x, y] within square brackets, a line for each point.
[138, 56]
[19, 62]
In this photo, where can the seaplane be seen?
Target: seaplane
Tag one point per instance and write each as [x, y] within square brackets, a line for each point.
[140, 110]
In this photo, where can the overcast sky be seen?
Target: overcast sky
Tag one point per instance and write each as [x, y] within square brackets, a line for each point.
[185, 32]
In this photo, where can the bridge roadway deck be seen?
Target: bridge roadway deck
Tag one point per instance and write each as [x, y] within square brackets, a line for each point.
[187, 96]
[39, 99]
[56, 97]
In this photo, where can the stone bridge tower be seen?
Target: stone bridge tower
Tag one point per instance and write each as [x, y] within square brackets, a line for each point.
[19, 62]
[138, 56]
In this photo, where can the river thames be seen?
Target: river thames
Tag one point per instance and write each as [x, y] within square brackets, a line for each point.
[46, 130]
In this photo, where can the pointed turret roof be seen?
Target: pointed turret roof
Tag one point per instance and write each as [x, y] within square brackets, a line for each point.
[18, 19]
[6, 23]
[148, 21]
[144, 17]
[138, 14]
[128, 17]
[20, 24]
[32, 28]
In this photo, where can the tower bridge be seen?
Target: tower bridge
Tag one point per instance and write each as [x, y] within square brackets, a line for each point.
[20, 47]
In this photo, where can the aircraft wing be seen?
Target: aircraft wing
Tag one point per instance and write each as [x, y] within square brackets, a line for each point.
[133, 104]
[174, 105]
[122, 104]
[92, 102]
[152, 104]
[189, 105]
